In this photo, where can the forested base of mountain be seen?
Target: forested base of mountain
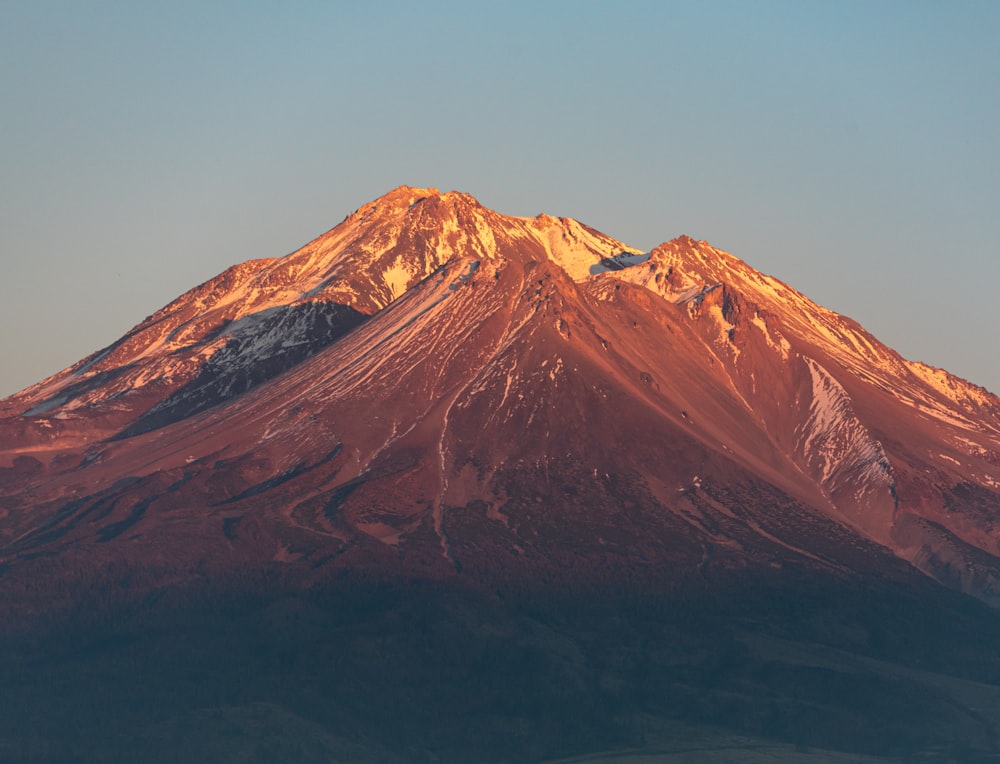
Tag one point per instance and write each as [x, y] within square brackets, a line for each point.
[368, 671]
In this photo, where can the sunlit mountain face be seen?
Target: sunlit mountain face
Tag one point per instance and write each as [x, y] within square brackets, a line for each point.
[449, 485]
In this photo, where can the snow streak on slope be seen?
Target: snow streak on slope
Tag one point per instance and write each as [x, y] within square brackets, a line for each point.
[835, 444]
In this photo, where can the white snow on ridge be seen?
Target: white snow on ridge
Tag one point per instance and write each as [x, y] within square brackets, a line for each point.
[955, 389]
[573, 247]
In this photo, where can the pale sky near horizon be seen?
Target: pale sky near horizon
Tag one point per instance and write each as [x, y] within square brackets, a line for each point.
[851, 149]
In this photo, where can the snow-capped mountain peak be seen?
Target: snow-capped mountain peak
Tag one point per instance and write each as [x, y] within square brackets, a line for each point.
[430, 350]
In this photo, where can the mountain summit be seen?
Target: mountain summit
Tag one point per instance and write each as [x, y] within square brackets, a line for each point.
[490, 488]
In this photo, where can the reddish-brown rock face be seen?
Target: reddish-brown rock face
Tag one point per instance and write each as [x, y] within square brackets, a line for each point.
[434, 390]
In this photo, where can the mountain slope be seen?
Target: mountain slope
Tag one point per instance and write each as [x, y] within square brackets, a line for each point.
[894, 445]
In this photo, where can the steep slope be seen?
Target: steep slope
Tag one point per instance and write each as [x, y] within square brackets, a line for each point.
[898, 448]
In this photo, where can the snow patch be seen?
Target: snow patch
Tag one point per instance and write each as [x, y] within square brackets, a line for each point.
[834, 442]
[556, 370]
[397, 277]
[779, 345]
[575, 247]
[965, 394]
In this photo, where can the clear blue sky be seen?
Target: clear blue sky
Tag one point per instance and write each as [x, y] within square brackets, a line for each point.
[852, 149]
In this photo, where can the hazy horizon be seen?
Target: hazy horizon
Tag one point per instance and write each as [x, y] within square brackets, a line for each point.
[847, 150]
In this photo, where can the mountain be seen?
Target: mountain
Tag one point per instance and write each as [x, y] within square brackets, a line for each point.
[413, 381]
[530, 442]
